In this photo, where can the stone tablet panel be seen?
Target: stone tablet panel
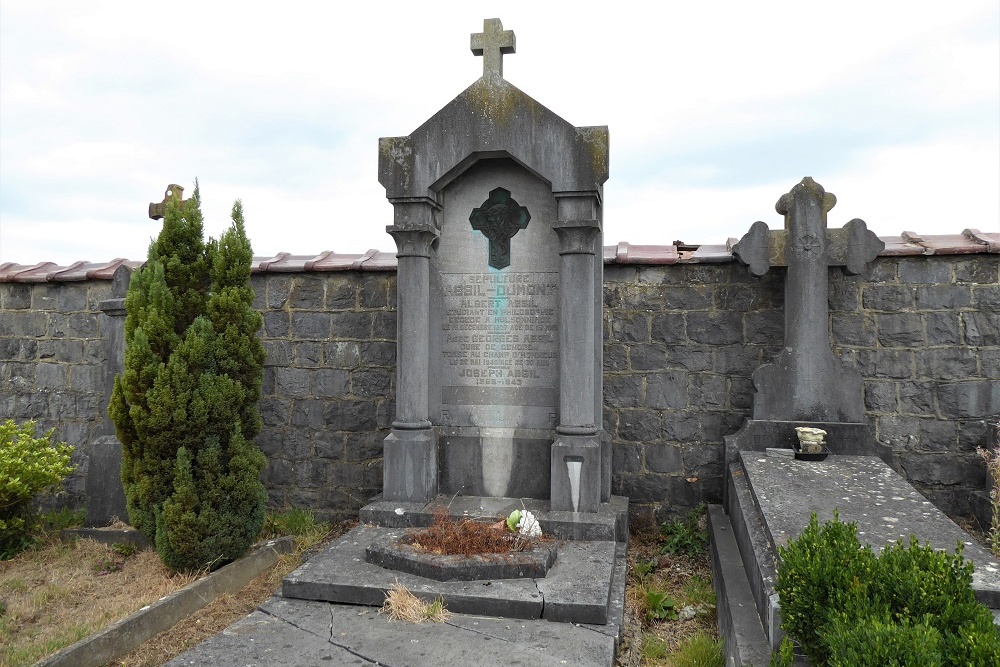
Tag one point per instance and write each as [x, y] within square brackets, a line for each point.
[494, 368]
[498, 337]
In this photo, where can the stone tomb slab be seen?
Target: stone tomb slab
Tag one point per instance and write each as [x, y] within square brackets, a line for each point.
[298, 632]
[577, 588]
[866, 491]
[386, 551]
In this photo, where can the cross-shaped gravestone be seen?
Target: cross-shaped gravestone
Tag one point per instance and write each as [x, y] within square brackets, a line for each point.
[806, 382]
[499, 218]
[491, 44]
[157, 211]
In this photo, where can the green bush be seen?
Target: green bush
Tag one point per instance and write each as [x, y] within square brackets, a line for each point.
[874, 642]
[186, 406]
[29, 465]
[847, 607]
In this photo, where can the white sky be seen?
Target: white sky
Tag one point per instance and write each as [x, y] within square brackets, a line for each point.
[715, 110]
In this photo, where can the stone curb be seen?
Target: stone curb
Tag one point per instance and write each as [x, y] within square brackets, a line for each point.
[127, 634]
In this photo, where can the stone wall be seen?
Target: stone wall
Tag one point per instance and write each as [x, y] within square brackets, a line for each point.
[53, 354]
[681, 342]
[328, 385]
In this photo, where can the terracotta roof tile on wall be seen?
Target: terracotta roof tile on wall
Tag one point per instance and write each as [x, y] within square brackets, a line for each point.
[970, 241]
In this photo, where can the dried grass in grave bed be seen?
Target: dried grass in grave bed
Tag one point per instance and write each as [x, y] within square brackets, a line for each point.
[466, 537]
[62, 592]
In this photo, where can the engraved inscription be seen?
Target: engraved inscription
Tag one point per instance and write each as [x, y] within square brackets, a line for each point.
[500, 332]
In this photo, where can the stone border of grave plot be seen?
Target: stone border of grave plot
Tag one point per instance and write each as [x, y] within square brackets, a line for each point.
[129, 633]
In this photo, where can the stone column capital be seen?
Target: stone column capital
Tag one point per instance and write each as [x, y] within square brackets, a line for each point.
[576, 237]
[412, 242]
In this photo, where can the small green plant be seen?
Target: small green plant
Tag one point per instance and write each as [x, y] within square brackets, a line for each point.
[785, 655]
[845, 606]
[653, 648]
[698, 591]
[297, 522]
[992, 460]
[106, 565]
[686, 537]
[62, 519]
[644, 568]
[29, 465]
[699, 650]
[124, 549]
[659, 606]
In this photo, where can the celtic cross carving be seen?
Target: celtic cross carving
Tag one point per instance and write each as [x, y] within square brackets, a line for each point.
[499, 218]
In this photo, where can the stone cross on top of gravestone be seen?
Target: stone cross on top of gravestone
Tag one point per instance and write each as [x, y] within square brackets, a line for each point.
[157, 211]
[492, 43]
[806, 382]
[499, 218]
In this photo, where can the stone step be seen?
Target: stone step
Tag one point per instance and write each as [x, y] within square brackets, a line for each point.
[610, 523]
[586, 584]
[739, 622]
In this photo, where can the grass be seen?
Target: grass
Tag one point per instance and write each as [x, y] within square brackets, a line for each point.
[58, 593]
[669, 600]
[402, 605]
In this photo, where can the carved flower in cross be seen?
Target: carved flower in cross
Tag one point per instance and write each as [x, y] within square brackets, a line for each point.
[808, 244]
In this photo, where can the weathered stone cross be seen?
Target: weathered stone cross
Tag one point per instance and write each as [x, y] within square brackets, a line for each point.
[499, 218]
[157, 211]
[806, 382]
[491, 44]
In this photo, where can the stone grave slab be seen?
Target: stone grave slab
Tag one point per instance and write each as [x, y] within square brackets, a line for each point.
[299, 632]
[576, 589]
[866, 491]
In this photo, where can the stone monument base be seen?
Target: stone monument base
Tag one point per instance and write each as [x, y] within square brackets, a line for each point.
[584, 584]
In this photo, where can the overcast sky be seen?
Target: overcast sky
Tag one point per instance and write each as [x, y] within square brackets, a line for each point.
[715, 109]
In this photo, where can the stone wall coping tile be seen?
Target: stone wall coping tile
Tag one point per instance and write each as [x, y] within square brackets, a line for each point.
[970, 241]
[627, 253]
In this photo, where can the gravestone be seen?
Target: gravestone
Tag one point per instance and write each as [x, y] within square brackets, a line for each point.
[105, 493]
[497, 222]
[806, 385]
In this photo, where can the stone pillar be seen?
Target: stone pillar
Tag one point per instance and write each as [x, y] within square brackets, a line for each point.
[577, 470]
[410, 452]
[105, 494]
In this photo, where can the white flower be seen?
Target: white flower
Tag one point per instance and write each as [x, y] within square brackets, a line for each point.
[528, 525]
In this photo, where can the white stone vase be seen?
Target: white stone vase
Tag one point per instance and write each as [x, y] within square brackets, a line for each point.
[810, 439]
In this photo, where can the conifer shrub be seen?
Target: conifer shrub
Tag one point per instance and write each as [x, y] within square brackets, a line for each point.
[29, 465]
[911, 605]
[186, 407]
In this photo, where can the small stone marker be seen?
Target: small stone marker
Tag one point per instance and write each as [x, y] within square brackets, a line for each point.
[492, 43]
[157, 211]
[807, 382]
